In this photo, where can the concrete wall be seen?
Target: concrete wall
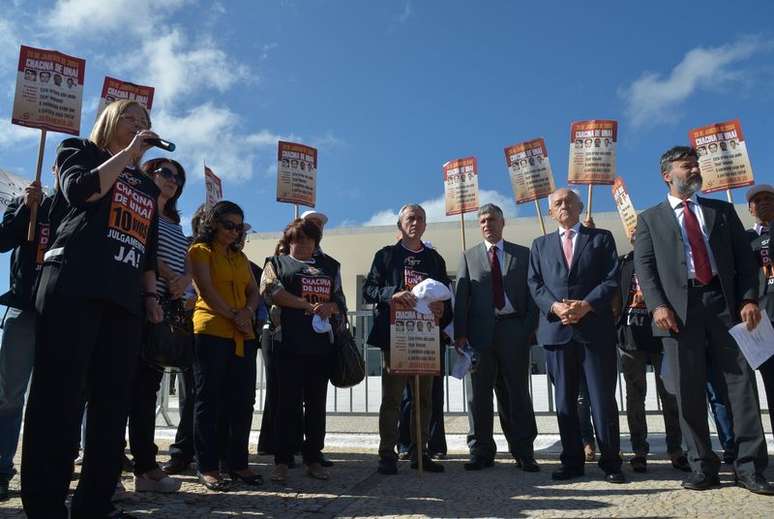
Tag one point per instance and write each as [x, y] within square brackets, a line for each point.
[354, 247]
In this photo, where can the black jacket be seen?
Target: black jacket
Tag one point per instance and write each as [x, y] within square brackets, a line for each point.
[385, 279]
[27, 257]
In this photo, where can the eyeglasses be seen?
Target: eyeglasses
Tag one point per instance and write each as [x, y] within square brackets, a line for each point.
[141, 122]
[231, 226]
[168, 174]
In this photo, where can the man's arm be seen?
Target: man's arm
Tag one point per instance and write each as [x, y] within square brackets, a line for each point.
[601, 296]
[541, 295]
[13, 228]
[461, 300]
[646, 268]
[375, 289]
[744, 260]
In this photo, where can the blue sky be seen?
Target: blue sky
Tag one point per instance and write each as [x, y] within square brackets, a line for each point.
[388, 91]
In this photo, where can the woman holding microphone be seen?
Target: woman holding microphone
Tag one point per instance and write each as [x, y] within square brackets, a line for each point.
[97, 287]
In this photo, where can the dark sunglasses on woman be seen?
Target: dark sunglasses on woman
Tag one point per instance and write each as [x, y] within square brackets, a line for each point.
[169, 175]
[231, 226]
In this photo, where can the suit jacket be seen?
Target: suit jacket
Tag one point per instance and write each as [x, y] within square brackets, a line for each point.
[660, 261]
[474, 312]
[593, 276]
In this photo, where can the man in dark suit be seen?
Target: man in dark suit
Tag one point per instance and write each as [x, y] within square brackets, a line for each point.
[573, 276]
[495, 315]
[698, 275]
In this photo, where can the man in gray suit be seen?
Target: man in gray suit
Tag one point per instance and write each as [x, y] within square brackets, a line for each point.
[698, 276]
[494, 313]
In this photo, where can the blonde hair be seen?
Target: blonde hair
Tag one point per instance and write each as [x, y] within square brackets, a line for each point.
[105, 128]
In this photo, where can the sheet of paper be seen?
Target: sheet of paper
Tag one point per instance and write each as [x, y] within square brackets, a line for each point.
[462, 365]
[756, 345]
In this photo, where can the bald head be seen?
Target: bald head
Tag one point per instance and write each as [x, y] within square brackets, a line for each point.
[565, 206]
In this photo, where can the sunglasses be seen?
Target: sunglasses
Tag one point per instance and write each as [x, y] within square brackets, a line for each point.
[231, 226]
[168, 174]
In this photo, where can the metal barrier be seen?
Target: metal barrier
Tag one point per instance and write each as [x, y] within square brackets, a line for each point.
[360, 400]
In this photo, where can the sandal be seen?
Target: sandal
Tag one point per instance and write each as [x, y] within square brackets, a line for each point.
[219, 485]
[254, 480]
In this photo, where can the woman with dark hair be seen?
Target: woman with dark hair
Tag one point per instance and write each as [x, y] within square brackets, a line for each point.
[97, 287]
[174, 278]
[225, 346]
[307, 288]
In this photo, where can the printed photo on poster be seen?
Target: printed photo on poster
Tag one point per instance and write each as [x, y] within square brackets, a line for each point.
[592, 152]
[623, 203]
[530, 170]
[114, 89]
[723, 157]
[213, 186]
[296, 174]
[49, 91]
[460, 179]
[415, 343]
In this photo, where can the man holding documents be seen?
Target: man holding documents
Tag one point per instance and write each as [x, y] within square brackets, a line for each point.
[697, 274]
[494, 313]
[760, 199]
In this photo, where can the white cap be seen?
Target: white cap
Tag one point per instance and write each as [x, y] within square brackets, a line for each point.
[759, 188]
[314, 214]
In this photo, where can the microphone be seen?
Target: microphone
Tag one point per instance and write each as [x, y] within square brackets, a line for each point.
[161, 143]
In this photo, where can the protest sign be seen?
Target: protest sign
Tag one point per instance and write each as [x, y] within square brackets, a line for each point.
[296, 173]
[213, 186]
[723, 157]
[115, 89]
[592, 152]
[530, 170]
[460, 179]
[625, 207]
[49, 91]
[415, 347]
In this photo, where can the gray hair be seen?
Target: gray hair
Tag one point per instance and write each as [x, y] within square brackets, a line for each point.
[571, 190]
[674, 154]
[490, 209]
[415, 207]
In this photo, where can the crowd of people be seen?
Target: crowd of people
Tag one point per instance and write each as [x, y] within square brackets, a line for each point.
[110, 269]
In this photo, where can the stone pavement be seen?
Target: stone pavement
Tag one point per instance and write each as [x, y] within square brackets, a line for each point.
[356, 490]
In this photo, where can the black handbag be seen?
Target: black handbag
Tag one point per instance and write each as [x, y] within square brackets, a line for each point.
[169, 344]
[348, 365]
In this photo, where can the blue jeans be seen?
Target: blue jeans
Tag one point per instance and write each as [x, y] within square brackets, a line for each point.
[17, 351]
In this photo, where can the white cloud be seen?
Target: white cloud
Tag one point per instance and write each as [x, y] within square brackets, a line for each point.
[110, 15]
[214, 134]
[436, 209]
[406, 13]
[11, 134]
[654, 97]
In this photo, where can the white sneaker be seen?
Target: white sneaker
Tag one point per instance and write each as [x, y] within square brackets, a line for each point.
[165, 485]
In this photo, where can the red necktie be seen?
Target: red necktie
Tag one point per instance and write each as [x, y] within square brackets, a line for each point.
[701, 262]
[498, 296]
[567, 247]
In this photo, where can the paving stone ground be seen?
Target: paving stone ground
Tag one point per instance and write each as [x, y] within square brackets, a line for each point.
[356, 490]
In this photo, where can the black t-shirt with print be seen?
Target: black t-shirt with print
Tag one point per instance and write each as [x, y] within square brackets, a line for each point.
[760, 246]
[103, 248]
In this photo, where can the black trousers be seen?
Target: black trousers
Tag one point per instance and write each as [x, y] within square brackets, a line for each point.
[183, 448]
[266, 442]
[598, 362]
[225, 384]
[506, 358]
[767, 374]
[704, 337]
[84, 347]
[301, 380]
[142, 417]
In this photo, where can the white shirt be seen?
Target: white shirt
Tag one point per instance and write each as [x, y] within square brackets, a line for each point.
[678, 207]
[758, 227]
[508, 308]
[576, 229]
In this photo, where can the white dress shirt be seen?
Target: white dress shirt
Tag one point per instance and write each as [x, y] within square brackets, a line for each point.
[508, 308]
[575, 229]
[678, 207]
[759, 227]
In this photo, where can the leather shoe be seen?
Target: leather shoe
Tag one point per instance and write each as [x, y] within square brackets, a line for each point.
[527, 463]
[681, 463]
[387, 466]
[639, 464]
[478, 463]
[565, 473]
[756, 484]
[175, 466]
[428, 465]
[325, 461]
[701, 481]
[615, 477]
